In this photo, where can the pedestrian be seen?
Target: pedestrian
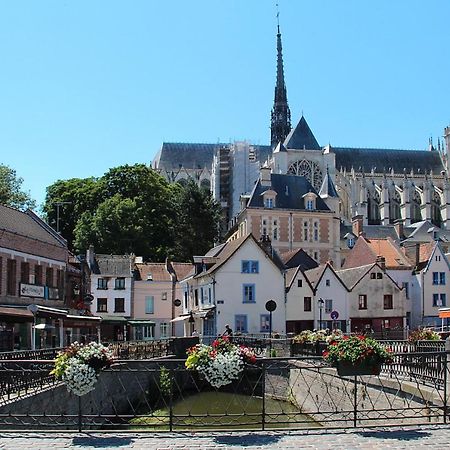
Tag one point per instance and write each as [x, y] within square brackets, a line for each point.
[195, 333]
[228, 331]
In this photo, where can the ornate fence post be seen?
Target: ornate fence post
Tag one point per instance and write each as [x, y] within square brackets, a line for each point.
[446, 377]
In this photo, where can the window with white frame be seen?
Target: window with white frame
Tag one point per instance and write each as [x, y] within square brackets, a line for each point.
[149, 304]
[240, 323]
[316, 231]
[248, 292]
[119, 283]
[305, 231]
[164, 329]
[102, 283]
[249, 266]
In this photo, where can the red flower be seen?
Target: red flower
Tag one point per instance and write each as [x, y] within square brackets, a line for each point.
[325, 353]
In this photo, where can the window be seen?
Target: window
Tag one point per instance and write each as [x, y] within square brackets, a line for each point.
[310, 205]
[249, 293]
[387, 302]
[164, 329]
[316, 256]
[305, 231]
[435, 277]
[307, 304]
[11, 267]
[240, 323]
[316, 231]
[38, 275]
[185, 300]
[327, 282]
[119, 283]
[60, 278]
[328, 306]
[406, 288]
[264, 323]
[102, 305]
[249, 267]
[149, 305]
[102, 283]
[350, 242]
[373, 276]
[25, 272]
[362, 301]
[437, 258]
[269, 202]
[196, 297]
[441, 277]
[119, 305]
[49, 277]
[164, 296]
[439, 300]
[275, 234]
[379, 275]
[299, 283]
[147, 332]
[386, 323]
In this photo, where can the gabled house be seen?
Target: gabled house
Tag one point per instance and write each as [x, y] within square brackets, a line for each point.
[111, 288]
[156, 291]
[231, 285]
[433, 277]
[331, 309]
[375, 301]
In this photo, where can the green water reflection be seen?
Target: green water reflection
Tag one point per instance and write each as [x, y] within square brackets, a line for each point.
[219, 410]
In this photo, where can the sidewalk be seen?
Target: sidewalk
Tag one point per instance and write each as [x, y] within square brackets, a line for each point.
[430, 437]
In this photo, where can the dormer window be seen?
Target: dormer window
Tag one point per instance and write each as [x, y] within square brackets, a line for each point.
[351, 242]
[310, 201]
[268, 203]
[269, 198]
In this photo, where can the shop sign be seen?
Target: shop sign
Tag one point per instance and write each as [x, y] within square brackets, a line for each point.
[31, 290]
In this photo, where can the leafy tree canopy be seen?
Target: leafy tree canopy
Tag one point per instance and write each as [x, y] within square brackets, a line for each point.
[10, 190]
[132, 209]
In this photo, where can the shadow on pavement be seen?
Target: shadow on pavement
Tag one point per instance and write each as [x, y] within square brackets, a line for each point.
[101, 442]
[407, 435]
[247, 440]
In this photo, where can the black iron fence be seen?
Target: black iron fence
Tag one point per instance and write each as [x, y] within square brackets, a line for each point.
[47, 353]
[275, 393]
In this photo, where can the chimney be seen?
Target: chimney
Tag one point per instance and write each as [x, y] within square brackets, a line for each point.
[398, 225]
[90, 256]
[265, 176]
[357, 225]
[381, 261]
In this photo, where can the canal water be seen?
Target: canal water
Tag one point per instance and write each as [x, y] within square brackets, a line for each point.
[223, 410]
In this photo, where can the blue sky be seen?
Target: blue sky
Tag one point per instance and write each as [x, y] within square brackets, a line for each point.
[89, 85]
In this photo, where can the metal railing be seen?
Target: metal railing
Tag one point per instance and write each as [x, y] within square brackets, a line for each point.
[140, 349]
[47, 353]
[275, 393]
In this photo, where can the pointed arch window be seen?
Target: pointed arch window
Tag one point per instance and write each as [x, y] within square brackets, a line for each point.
[373, 208]
[436, 218]
[394, 207]
[416, 210]
[308, 169]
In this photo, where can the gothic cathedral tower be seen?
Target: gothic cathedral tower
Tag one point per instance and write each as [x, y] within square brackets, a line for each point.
[280, 123]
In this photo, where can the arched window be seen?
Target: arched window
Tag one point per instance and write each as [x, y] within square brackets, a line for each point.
[373, 208]
[394, 207]
[205, 184]
[308, 169]
[416, 210]
[436, 218]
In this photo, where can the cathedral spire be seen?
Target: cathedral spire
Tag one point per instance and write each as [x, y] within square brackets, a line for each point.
[280, 123]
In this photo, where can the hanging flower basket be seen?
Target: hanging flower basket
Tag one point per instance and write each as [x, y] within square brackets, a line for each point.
[220, 363]
[357, 355]
[346, 368]
[79, 366]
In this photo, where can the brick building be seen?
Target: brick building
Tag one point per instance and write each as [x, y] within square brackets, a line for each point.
[33, 260]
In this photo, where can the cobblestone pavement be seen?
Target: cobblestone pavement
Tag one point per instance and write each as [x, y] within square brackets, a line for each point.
[429, 437]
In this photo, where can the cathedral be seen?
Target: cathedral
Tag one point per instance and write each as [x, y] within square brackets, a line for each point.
[380, 185]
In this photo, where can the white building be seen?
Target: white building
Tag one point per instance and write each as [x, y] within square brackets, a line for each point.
[231, 285]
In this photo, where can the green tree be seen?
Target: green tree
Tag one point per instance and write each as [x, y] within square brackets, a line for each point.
[197, 222]
[10, 190]
[75, 197]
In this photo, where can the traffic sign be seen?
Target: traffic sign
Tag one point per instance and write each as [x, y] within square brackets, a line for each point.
[271, 305]
[334, 315]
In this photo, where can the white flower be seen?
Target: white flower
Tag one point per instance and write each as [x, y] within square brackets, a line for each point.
[79, 377]
[223, 369]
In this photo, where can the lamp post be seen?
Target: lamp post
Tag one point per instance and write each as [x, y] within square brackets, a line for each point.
[320, 303]
[191, 321]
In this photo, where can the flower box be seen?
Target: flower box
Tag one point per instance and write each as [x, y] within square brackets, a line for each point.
[346, 368]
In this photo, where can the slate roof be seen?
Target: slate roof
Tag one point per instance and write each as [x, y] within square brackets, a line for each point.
[112, 265]
[297, 187]
[301, 137]
[298, 258]
[383, 160]
[328, 189]
[29, 225]
[159, 273]
[174, 155]
[351, 276]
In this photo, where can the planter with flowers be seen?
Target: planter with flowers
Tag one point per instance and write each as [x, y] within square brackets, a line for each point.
[79, 366]
[357, 355]
[220, 363]
[313, 342]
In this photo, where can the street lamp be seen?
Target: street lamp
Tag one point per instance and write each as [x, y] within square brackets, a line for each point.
[321, 303]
